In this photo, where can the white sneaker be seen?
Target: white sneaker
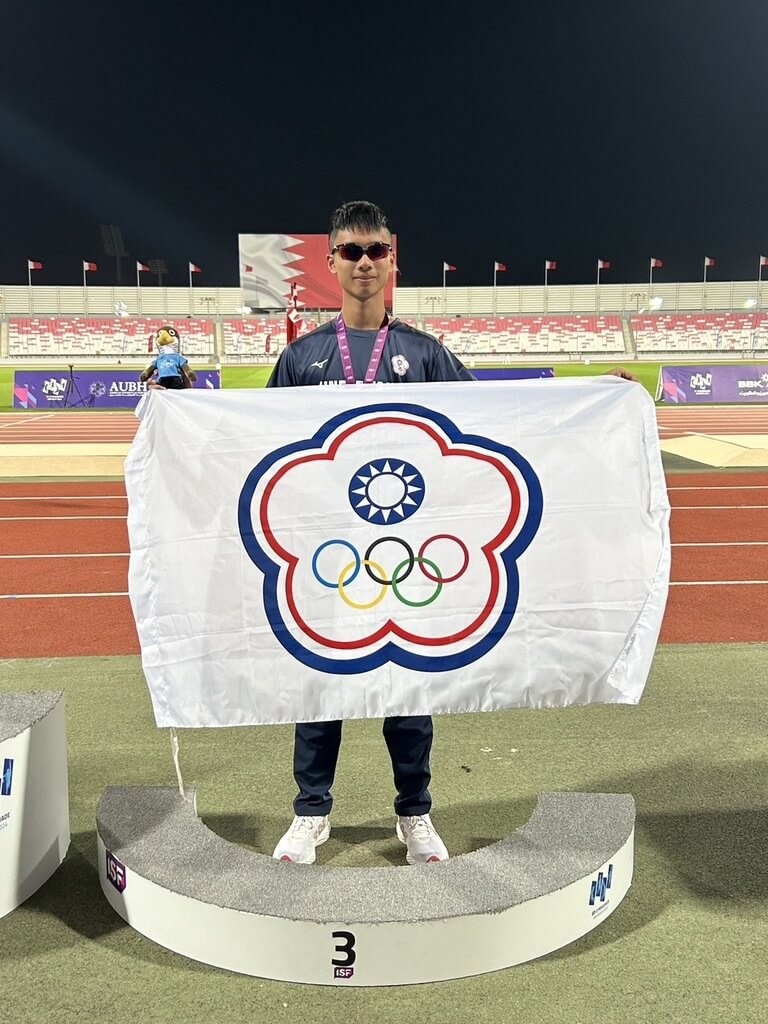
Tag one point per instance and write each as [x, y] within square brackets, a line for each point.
[298, 844]
[420, 836]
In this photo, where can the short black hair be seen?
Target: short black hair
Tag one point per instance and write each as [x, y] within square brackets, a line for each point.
[358, 214]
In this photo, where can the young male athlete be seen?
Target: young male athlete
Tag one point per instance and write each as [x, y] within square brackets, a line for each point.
[363, 344]
[170, 366]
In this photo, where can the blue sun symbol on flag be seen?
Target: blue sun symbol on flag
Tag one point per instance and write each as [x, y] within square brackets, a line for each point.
[386, 491]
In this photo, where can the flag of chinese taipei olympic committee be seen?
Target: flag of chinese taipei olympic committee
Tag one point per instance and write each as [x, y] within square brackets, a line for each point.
[309, 554]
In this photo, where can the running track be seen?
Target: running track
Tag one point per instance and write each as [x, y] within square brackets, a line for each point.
[82, 426]
[64, 545]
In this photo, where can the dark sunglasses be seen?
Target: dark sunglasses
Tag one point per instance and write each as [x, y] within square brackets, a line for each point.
[353, 252]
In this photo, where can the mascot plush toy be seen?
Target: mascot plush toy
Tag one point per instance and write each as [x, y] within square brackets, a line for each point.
[169, 367]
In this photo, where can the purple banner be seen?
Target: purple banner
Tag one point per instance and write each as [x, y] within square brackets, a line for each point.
[518, 373]
[720, 384]
[88, 389]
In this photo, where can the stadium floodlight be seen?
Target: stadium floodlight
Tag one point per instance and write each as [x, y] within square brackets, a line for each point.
[657, 302]
[750, 304]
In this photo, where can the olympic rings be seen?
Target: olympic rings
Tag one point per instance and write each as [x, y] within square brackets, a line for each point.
[377, 573]
[327, 544]
[355, 604]
[446, 579]
[417, 604]
[410, 561]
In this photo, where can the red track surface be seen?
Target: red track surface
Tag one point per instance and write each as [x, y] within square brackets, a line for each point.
[80, 426]
[674, 421]
[719, 528]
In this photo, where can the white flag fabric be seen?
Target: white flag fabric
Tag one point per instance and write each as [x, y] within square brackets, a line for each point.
[320, 553]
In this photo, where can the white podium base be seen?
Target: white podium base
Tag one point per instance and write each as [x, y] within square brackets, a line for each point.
[34, 797]
[189, 890]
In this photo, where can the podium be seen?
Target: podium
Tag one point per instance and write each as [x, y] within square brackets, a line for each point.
[186, 888]
[34, 796]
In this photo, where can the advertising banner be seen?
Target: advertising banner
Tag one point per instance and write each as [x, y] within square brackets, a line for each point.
[716, 384]
[516, 373]
[88, 389]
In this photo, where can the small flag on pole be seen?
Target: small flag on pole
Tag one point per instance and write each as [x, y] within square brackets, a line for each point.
[32, 265]
[708, 261]
[448, 266]
[247, 268]
[499, 266]
[550, 264]
[764, 261]
[141, 268]
[193, 269]
[89, 267]
[603, 264]
[656, 263]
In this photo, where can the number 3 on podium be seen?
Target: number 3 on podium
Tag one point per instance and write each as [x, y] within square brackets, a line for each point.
[345, 945]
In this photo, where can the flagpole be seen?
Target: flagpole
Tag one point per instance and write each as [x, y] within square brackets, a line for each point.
[443, 279]
[705, 270]
[759, 282]
[494, 286]
[650, 281]
[29, 274]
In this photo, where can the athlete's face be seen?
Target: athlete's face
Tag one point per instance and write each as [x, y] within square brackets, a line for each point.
[366, 275]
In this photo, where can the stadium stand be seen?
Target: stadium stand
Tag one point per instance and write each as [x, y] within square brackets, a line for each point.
[85, 337]
[260, 338]
[700, 332]
[485, 336]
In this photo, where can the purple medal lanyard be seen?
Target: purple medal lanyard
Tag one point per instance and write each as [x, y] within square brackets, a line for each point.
[346, 358]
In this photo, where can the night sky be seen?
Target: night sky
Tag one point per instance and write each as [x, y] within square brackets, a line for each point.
[516, 131]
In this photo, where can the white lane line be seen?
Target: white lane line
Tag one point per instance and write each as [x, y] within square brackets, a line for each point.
[51, 519]
[25, 421]
[124, 593]
[719, 583]
[65, 497]
[74, 554]
[716, 508]
[723, 487]
[126, 554]
[716, 544]
[26, 597]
